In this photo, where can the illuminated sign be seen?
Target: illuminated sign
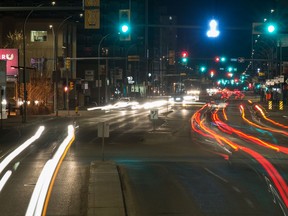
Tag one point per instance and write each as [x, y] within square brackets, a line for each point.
[11, 57]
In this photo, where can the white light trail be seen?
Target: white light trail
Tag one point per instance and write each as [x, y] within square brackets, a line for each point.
[5, 179]
[39, 195]
[21, 148]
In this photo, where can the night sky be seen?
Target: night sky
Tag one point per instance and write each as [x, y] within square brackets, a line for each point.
[235, 22]
[235, 19]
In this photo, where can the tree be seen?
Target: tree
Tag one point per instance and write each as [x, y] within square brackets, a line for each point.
[39, 87]
[14, 40]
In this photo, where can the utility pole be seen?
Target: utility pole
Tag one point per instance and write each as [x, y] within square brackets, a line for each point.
[146, 42]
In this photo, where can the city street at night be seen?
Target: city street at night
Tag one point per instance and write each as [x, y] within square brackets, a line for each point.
[143, 108]
[170, 167]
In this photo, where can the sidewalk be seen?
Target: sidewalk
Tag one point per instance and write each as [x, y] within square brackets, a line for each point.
[16, 121]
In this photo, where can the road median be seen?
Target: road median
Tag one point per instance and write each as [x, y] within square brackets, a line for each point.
[104, 193]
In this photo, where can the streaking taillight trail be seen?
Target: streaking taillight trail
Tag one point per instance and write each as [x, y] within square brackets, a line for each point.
[272, 172]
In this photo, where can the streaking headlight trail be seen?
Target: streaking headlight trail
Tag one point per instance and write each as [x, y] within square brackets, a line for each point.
[40, 197]
[5, 179]
[20, 149]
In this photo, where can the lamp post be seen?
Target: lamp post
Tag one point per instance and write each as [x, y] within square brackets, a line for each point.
[54, 67]
[24, 62]
[265, 48]
[24, 65]
[99, 66]
[126, 64]
[55, 54]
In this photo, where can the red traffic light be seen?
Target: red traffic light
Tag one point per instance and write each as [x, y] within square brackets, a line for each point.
[217, 59]
[212, 73]
[184, 54]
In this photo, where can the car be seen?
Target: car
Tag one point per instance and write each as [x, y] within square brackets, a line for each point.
[176, 99]
[124, 102]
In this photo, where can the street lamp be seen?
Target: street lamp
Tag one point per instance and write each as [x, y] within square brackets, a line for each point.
[54, 47]
[55, 54]
[213, 31]
[24, 65]
[24, 62]
[99, 66]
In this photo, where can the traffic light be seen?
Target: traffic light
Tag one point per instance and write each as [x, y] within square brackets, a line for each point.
[202, 69]
[124, 25]
[184, 57]
[68, 63]
[220, 59]
[212, 73]
[271, 28]
[229, 74]
[71, 85]
[264, 28]
[171, 57]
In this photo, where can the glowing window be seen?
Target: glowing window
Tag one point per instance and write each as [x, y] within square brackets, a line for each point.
[38, 36]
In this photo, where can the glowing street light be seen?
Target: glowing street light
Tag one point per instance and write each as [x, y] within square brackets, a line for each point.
[213, 31]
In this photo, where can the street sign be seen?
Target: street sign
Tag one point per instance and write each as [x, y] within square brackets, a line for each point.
[92, 14]
[133, 58]
[103, 129]
[154, 114]
[241, 59]
[89, 75]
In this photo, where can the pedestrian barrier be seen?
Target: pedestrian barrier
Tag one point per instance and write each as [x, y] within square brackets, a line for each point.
[270, 105]
[281, 107]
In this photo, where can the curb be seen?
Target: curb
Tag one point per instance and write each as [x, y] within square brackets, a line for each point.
[105, 196]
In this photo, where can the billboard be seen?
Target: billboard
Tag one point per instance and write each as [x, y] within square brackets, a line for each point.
[11, 57]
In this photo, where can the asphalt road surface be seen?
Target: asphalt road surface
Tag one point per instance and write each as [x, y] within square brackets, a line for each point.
[171, 170]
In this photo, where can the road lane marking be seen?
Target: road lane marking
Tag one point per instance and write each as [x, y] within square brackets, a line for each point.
[214, 174]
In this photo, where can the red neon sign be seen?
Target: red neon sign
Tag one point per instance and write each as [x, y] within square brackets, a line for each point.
[11, 57]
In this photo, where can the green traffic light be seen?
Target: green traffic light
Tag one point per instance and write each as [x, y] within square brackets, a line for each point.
[271, 28]
[223, 59]
[124, 28]
[202, 69]
[184, 60]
